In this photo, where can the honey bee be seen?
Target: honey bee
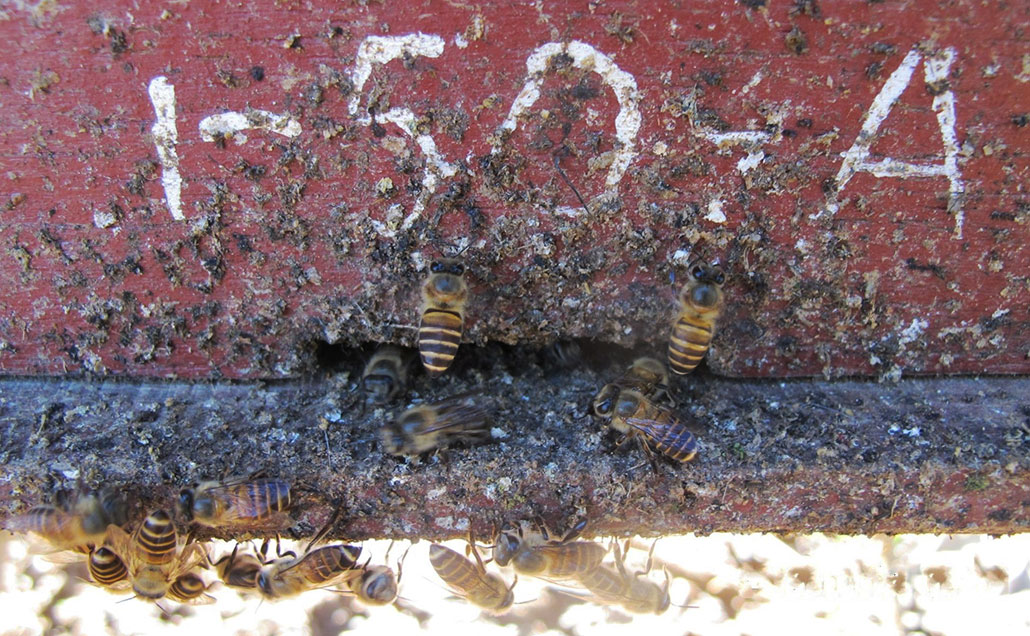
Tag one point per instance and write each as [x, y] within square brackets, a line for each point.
[190, 588]
[471, 580]
[385, 375]
[428, 426]
[700, 303]
[321, 567]
[106, 569]
[258, 504]
[631, 591]
[634, 415]
[239, 569]
[77, 529]
[444, 295]
[531, 551]
[153, 558]
[376, 585]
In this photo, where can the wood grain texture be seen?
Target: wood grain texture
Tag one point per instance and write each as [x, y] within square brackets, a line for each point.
[747, 114]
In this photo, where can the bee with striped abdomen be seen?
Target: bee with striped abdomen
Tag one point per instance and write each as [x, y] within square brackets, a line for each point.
[78, 527]
[635, 416]
[153, 558]
[240, 504]
[322, 567]
[107, 570]
[190, 588]
[385, 375]
[532, 551]
[444, 295]
[426, 427]
[701, 301]
[633, 592]
[471, 580]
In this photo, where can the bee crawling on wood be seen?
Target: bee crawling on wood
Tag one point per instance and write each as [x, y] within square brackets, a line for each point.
[444, 296]
[639, 406]
[430, 426]
[531, 551]
[385, 375]
[637, 417]
[701, 301]
[78, 527]
[239, 504]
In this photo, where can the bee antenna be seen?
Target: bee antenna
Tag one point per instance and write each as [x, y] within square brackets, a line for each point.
[565, 178]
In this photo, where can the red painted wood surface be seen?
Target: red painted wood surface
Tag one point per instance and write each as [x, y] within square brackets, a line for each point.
[286, 241]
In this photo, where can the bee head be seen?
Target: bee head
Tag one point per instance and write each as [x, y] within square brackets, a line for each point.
[264, 583]
[186, 503]
[379, 585]
[604, 402]
[707, 274]
[507, 545]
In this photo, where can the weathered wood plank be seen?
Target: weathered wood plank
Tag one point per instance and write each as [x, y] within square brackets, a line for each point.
[747, 136]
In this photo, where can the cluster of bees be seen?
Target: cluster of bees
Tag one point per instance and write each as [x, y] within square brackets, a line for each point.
[531, 551]
[155, 562]
[638, 404]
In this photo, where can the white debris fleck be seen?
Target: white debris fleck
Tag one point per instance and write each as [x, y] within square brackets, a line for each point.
[460, 41]
[436, 492]
[750, 161]
[715, 213]
[498, 433]
[104, 218]
[445, 522]
[913, 331]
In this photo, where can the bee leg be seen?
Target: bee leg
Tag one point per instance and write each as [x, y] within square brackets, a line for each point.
[470, 549]
[574, 531]
[400, 564]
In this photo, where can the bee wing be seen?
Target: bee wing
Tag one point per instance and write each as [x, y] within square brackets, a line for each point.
[461, 415]
[649, 427]
[120, 542]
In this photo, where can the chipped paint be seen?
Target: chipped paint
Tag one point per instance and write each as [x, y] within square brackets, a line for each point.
[166, 136]
[232, 123]
[623, 84]
[377, 50]
[856, 158]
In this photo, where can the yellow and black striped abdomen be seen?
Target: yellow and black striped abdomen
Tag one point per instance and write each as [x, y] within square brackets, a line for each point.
[690, 339]
[327, 563]
[105, 568]
[265, 497]
[676, 442]
[156, 538]
[187, 587]
[454, 569]
[439, 335]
